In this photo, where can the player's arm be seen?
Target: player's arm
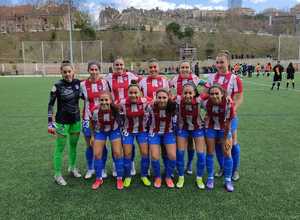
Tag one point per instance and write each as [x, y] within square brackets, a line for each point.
[52, 99]
[238, 97]
[229, 115]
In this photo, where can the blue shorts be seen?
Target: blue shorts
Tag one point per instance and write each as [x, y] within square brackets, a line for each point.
[194, 133]
[167, 138]
[112, 135]
[128, 138]
[213, 133]
[234, 124]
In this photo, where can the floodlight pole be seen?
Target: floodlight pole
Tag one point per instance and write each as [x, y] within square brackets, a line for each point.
[70, 31]
[279, 45]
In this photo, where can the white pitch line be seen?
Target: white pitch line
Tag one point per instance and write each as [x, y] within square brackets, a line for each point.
[269, 86]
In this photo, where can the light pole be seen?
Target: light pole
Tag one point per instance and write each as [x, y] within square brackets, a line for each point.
[70, 31]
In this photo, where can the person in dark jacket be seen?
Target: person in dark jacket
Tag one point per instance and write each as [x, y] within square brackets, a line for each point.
[67, 120]
[278, 69]
[290, 70]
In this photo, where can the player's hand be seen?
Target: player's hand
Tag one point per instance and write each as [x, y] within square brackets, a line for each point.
[228, 144]
[92, 141]
[86, 124]
[51, 128]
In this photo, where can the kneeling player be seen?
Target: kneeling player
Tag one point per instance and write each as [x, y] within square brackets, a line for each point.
[161, 132]
[106, 126]
[190, 124]
[219, 113]
[135, 110]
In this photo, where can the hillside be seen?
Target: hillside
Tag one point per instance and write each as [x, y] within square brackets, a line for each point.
[141, 45]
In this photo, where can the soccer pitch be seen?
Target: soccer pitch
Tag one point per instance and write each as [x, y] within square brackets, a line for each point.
[270, 164]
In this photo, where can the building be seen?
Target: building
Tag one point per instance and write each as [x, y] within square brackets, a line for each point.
[242, 11]
[26, 18]
[234, 4]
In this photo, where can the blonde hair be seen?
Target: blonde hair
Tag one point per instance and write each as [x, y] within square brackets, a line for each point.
[226, 54]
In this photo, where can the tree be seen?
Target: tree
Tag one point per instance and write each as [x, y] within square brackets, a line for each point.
[173, 28]
[188, 32]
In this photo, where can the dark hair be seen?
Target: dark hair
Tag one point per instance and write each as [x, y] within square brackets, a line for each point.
[193, 86]
[114, 108]
[134, 83]
[171, 105]
[65, 63]
[92, 63]
[218, 86]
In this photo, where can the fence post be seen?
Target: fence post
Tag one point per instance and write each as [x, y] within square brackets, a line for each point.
[23, 54]
[81, 51]
[101, 54]
[43, 57]
[62, 51]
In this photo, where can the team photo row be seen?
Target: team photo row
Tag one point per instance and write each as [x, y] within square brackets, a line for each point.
[163, 117]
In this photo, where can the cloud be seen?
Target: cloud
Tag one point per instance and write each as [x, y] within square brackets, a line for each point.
[94, 7]
[257, 1]
[217, 1]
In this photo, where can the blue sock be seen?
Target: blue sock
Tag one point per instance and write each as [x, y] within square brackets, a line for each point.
[127, 167]
[200, 164]
[228, 168]
[119, 167]
[191, 153]
[133, 153]
[210, 165]
[235, 152]
[170, 168]
[156, 168]
[98, 168]
[89, 155]
[165, 161]
[145, 163]
[180, 162]
[219, 155]
[104, 156]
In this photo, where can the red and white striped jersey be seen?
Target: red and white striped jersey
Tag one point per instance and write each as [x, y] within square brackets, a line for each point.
[150, 85]
[161, 120]
[230, 82]
[104, 120]
[91, 91]
[189, 115]
[119, 84]
[217, 115]
[179, 81]
[136, 115]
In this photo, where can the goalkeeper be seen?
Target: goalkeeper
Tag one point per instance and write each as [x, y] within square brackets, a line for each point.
[67, 120]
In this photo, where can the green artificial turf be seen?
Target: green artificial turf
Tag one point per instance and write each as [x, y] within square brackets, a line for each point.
[269, 134]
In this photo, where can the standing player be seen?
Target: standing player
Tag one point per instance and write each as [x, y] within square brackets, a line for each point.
[190, 124]
[163, 110]
[105, 118]
[268, 69]
[234, 87]
[150, 85]
[258, 69]
[278, 69]
[91, 88]
[119, 81]
[67, 120]
[185, 76]
[290, 70]
[219, 113]
[135, 110]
